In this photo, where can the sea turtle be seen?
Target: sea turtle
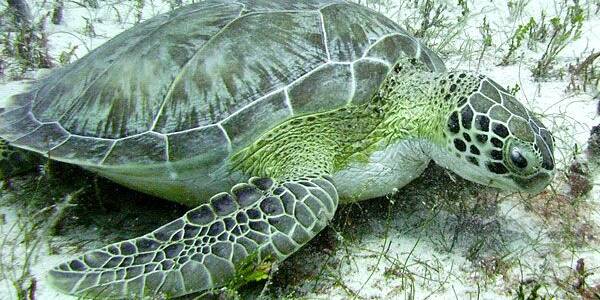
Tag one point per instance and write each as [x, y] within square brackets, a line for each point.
[263, 116]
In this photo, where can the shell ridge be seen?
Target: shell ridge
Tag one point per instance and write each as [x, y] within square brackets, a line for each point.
[383, 37]
[181, 71]
[325, 41]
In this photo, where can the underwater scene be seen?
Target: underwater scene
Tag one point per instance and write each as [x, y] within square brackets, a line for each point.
[307, 149]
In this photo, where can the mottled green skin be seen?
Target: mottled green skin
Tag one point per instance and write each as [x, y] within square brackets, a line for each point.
[413, 104]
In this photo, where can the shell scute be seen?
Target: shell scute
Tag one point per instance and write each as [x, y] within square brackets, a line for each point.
[44, 138]
[332, 85]
[255, 55]
[18, 123]
[145, 148]
[368, 76]
[249, 123]
[210, 142]
[351, 30]
[81, 149]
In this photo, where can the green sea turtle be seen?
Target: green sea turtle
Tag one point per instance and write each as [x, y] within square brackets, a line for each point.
[263, 116]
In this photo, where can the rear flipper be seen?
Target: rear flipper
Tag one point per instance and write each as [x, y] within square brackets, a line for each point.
[261, 220]
[14, 162]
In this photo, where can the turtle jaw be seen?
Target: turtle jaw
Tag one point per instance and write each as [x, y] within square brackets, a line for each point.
[514, 183]
[534, 184]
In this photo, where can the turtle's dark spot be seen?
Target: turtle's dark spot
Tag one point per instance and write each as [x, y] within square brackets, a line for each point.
[303, 215]
[241, 217]
[221, 250]
[262, 183]
[500, 130]
[496, 142]
[283, 223]
[201, 215]
[160, 256]
[253, 213]
[132, 272]
[216, 228]
[246, 194]
[173, 250]
[474, 150]
[126, 262]
[467, 137]
[182, 260]
[190, 231]
[177, 236]
[145, 244]
[473, 160]
[229, 223]
[497, 168]
[452, 88]
[77, 265]
[497, 155]
[236, 231]
[113, 262]
[149, 268]
[167, 264]
[127, 248]
[460, 145]
[223, 236]
[462, 75]
[462, 100]
[482, 123]
[203, 231]
[223, 204]
[482, 138]
[113, 250]
[467, 117]
[272, 206]
[260, 226]
[453, 125]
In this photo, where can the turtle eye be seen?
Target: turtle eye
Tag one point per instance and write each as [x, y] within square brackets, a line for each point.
[521, 158]
[517, 158]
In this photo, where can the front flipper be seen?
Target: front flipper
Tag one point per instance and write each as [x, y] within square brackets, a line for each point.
[261, 219]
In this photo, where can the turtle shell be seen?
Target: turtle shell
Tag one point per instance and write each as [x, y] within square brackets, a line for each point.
[206, 80]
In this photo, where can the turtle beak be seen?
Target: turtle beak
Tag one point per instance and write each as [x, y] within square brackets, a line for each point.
[534, 184]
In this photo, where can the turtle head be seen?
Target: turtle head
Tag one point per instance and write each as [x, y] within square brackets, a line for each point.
[494, 140]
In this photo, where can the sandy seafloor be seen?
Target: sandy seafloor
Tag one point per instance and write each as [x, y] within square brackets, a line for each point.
[389, 260]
